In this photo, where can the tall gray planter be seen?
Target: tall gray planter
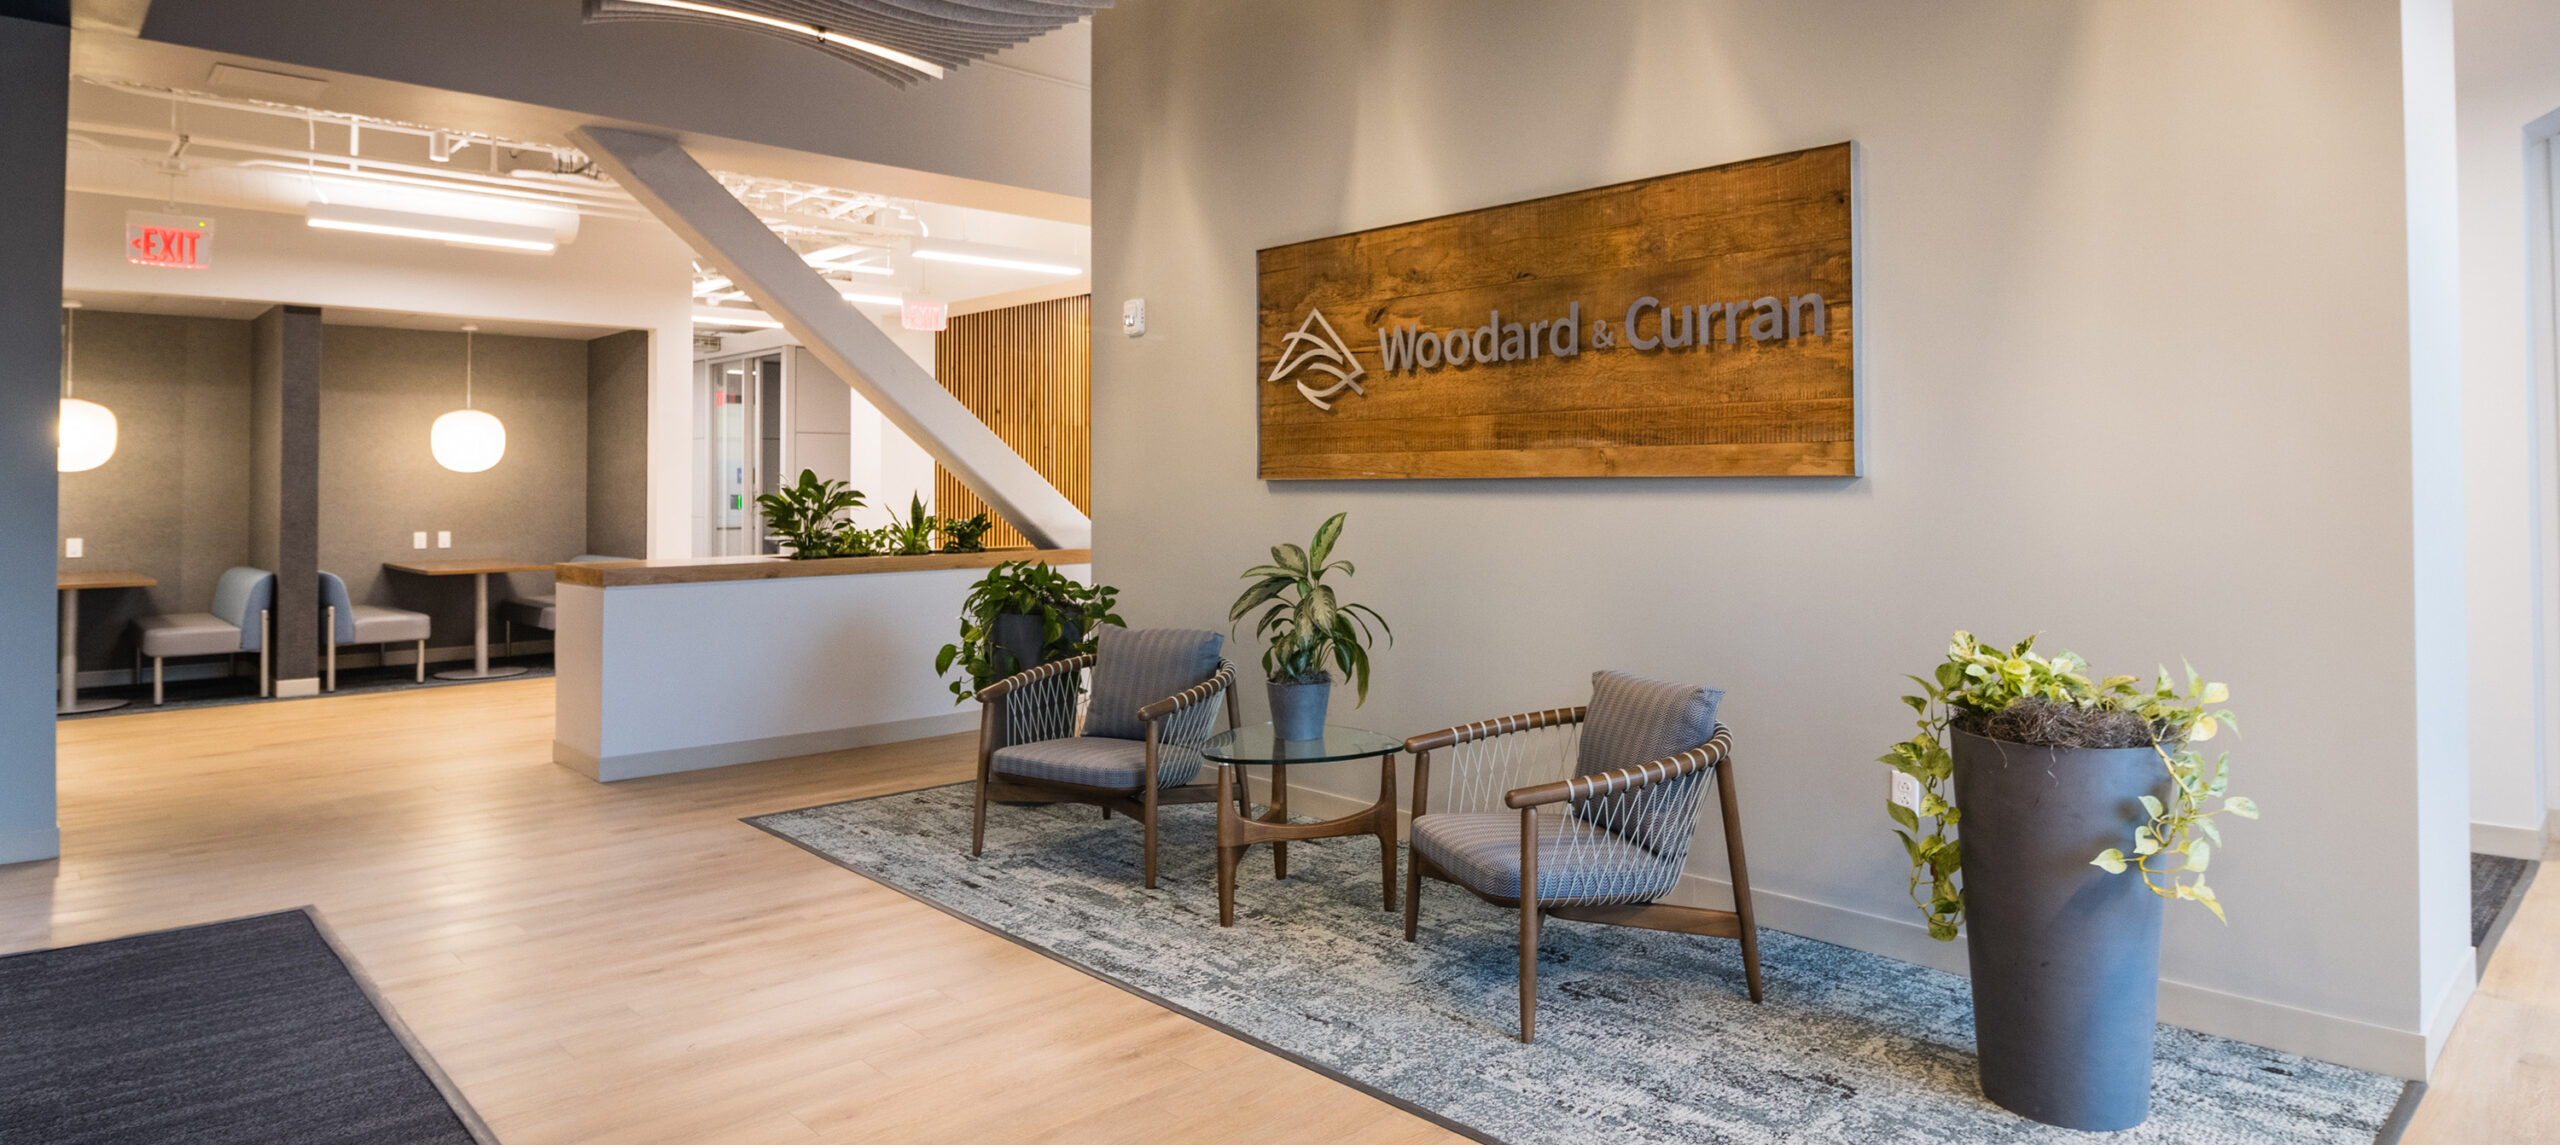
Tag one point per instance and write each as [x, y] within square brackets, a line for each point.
[2066, 957]
[1018, 635]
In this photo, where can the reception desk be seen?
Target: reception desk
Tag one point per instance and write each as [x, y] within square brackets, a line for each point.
[677, 665]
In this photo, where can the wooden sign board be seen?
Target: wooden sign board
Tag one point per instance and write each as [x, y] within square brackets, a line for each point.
[1697, 324]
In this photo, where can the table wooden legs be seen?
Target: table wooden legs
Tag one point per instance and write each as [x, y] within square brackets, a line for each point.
[1387, 824]
[1239, 829]
[1279, 814]
[1230, 813]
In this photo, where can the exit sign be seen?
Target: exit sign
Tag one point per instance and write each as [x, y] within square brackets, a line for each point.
[181, 242]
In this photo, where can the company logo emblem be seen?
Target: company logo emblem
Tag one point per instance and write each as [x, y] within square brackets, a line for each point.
[1314, 348]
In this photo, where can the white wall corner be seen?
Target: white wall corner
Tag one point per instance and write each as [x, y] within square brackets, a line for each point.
[2513, 841]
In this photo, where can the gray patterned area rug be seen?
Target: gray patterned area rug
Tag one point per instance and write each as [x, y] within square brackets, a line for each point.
[1642, 1036]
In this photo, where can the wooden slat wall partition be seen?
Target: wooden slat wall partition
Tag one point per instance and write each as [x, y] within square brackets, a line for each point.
[1026, 371]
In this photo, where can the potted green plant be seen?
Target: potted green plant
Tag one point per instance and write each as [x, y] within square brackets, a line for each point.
[1310, 631]
[2041, 767]
[912, 537]
[969, 536]
[809, 516]
[1021, 615]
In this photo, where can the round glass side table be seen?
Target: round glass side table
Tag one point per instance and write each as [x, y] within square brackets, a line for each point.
[1238, 828]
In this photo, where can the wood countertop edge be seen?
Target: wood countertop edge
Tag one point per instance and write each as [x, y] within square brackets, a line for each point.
[623, 574]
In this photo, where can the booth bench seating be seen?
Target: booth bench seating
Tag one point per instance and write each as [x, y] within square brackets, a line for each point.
[538, 609]
[241, 621]
[343, 621]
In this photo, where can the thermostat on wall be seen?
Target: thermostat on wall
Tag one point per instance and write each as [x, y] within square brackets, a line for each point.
[1133, 317]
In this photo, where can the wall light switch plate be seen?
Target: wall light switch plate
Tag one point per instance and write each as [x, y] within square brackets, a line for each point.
[1133, 317]
[71, 546]
[1906, 791]
[444, 539]
[417, 540]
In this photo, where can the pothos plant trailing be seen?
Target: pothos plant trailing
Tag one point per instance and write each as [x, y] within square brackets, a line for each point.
[2171, 849]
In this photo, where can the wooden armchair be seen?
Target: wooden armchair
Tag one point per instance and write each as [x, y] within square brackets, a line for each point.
[1581, 833]
[1134, 760]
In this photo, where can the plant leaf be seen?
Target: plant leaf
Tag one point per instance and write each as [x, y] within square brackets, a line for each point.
[2152, 804]
[1253, 597]
[1902, 815]
[1326, 534]
[2241, 806]
[2110, 860]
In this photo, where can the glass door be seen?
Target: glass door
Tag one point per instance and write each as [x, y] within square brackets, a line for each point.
[746, 451]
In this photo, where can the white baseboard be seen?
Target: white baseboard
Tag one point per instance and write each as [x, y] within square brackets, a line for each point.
[30, 844]
[2512, 841]
[306, 686]
[2328, 1037]
[640, 764]
[2450, 1001]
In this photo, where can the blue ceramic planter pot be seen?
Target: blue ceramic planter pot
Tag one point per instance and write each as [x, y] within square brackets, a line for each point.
[1297, 710]
[2066, 957]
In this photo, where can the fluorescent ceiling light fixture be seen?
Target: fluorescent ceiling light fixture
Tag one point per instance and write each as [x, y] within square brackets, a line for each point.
[853, 295]
[972, 254]
[839, 39]
[440, 228]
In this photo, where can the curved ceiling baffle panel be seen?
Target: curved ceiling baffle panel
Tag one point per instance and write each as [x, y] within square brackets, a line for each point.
[901, 41]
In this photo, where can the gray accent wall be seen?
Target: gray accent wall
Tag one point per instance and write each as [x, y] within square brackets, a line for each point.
[173, 503]
[381, 389]
[35, 70]
[284, 507]
[618, 444]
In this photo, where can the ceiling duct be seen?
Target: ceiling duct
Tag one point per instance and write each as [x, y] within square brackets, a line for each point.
[902, 41]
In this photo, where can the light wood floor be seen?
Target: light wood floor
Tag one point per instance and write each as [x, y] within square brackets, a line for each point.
[2499, 1077]
[631, 963]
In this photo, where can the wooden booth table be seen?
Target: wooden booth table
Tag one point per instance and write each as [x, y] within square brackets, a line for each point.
[1238, 829]
[478, 569]
[67, 697]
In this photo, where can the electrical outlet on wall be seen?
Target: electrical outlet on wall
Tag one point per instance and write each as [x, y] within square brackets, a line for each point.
[71, 546]
[1133, 317]
[444, 538]
[417, 540]
[1906, 791]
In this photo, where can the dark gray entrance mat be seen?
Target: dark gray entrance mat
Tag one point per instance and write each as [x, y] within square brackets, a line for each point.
[1642, 1036]
[252, 1030]
[2497, 888]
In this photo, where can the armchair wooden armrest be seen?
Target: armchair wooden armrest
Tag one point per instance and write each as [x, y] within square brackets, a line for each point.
[1034, 675]
[1657, 771]
[1487, 729]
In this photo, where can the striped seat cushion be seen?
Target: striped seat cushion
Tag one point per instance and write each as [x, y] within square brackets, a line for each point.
[1576, 863]
[1095, 761]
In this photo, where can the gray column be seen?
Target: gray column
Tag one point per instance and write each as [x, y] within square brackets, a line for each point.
[284, 514]
[35, 77]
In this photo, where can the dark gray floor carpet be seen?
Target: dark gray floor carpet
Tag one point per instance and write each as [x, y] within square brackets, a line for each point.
[252, 1030]
[1643, 1036]
[2494, 880]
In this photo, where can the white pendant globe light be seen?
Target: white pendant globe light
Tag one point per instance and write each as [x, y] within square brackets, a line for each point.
[86, 433]
[467, 440]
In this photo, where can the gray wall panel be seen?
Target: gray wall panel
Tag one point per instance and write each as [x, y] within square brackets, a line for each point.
[173, 503]
[381, 390]
[618, 444]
